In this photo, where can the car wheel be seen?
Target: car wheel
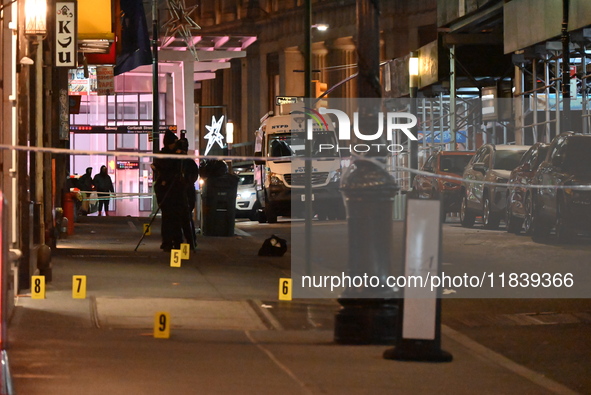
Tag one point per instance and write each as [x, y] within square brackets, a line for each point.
[262, 218]
[336, 211]
[533, 225]
[491, 220]
[270, 213]
[514, 224]
[466, 217]
[528, 221]
[564, 231]
[254, 213]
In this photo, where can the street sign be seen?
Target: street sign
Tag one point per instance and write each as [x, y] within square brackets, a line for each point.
[105, 80]
[66, 34]
[280, 100]
[130, 129]
[419, 337]
[460, 137]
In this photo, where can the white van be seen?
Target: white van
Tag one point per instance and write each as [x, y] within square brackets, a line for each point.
[280, 174]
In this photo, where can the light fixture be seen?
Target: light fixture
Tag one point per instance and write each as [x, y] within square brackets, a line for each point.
[413, 70]
[413, 64]
[321, 27]
[26, 60]
[35, 17]
[230, 132]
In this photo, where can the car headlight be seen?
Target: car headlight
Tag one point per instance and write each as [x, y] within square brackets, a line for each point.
[245, 195]
[275, 179]
[334, 176]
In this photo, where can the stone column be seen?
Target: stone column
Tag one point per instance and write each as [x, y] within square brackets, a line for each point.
[291, 66]
[319, 62]
[341, 53]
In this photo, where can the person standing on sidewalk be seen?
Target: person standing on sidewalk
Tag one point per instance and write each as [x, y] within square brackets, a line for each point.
[169, 191]
[104, 187]
[86, 186]
[189, 176]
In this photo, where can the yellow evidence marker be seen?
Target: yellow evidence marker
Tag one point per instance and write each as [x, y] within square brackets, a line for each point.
[185, 250]
[147, 230]
[285, 289]
[37, 287]
[175, 258]
[79, 287]
[162, 325]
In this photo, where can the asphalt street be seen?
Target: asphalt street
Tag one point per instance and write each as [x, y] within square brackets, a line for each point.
[224, 300]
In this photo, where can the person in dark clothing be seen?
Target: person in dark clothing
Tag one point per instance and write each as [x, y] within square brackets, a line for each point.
[169, 194]
[189, 176]
[104, 187]
[86, 186]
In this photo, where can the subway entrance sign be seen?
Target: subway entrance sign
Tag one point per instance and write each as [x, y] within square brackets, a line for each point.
[130, 129]
[281, 100]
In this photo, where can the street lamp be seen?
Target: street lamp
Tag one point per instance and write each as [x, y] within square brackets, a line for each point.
[308, 209]
[35, 31]
[230, 138]
[413, 69]
[35, 17]
[413, 72]
[321, 27]
[229, 135]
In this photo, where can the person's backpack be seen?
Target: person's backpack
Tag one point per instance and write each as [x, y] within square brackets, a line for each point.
[273, 246]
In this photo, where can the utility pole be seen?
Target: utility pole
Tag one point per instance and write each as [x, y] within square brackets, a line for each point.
[565, 38]
[308, 211]
[155, 93]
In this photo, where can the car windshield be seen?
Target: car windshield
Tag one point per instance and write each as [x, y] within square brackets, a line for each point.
[294, 144]
[578, 155]
[454, 163]
[245, 179]
[507, 159]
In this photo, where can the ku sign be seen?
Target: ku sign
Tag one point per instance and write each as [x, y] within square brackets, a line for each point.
[65, 34]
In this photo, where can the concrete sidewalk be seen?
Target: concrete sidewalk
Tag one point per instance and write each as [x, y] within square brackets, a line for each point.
[223, 341]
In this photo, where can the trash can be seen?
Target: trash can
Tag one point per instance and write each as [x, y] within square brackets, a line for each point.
[69, 203]
[218, 205]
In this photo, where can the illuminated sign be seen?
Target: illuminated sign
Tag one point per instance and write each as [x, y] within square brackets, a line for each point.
[121, 129]
[280, 100]
[214, 135]
[128, 165]
[66, 31]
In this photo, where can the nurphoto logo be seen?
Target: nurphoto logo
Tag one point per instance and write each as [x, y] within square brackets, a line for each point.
[393, 121]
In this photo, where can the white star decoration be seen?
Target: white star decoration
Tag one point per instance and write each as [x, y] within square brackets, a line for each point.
[214, 135]
[181, 22]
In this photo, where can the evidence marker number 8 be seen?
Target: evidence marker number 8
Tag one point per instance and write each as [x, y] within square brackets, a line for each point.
[38, 287]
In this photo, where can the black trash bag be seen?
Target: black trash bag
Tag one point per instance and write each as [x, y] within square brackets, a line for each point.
[273, 246]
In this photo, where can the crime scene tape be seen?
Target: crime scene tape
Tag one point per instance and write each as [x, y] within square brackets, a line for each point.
[395, 169]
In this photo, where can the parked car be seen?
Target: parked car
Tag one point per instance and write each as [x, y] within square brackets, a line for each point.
[519, 179]
[491, 164]
[444, 163]
[246, 199]
[556, 204]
